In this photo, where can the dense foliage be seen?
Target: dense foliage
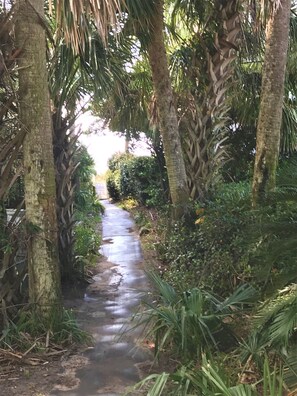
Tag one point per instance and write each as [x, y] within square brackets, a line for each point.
[213, 354]
[88, 210]
[209, 248]
[135, 177]
[225, 243]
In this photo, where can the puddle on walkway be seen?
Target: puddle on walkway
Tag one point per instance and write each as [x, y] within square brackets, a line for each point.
[105, 312]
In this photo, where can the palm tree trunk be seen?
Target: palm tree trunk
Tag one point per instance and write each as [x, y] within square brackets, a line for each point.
[272, 91]
[167, 115]
[39, 173]
[65, 140]
[206, 117]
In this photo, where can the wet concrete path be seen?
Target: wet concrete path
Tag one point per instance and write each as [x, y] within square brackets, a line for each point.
[106, 311]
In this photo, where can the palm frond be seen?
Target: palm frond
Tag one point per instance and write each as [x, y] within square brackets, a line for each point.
[254, 348]
[210, 379]
[278, 318]
[192, 321]
[155, 383]
[243, 295]
[290, 369]
[164, 289]
[272, 380]
[219, 382]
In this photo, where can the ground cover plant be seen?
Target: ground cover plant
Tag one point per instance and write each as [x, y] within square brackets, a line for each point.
[27, 333]
[194, 320]
[201, 334]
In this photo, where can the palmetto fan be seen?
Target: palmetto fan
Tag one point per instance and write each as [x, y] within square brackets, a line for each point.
[279, 321]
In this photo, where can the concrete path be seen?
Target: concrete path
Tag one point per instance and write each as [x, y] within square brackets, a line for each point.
[105, 312]
[101, 190]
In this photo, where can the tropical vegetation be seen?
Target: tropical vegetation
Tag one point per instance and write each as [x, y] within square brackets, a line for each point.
[212, 86]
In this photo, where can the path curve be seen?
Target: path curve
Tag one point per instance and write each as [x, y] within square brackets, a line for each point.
[106, 310]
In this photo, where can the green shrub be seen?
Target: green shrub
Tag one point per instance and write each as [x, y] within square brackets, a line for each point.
[227, 243]
[140, 179]
[113, 175]
[210, 248]
[87, 211]
[85, 195]
[135, 177]
[113, 184]
[87, 241]
[211, 379]
[190, 325]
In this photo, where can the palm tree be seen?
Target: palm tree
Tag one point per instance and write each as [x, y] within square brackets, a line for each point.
[35, 117]
[39, 172]
[167, 113]
[272, 91]
[208, 67]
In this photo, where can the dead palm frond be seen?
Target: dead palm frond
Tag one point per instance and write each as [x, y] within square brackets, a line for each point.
[74, 19]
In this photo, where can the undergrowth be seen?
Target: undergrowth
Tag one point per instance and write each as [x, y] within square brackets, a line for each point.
[87, 235]
[222, 246]
[193, 328]
[224, 243]
[28, 332]
[209, 248]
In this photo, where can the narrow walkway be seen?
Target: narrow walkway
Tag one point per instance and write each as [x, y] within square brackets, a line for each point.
[106, 311]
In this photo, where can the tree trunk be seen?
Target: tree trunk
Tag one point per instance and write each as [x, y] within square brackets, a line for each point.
[272, 91]
[39, 174]
[206, 116]
[167, 115]
[65, 147]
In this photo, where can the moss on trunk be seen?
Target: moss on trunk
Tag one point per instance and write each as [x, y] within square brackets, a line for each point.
[272, 91]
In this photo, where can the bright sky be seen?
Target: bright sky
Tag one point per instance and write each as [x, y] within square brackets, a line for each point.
[103, 143]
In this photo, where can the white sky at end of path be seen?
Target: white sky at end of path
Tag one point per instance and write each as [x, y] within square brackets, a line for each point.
[104, 143]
